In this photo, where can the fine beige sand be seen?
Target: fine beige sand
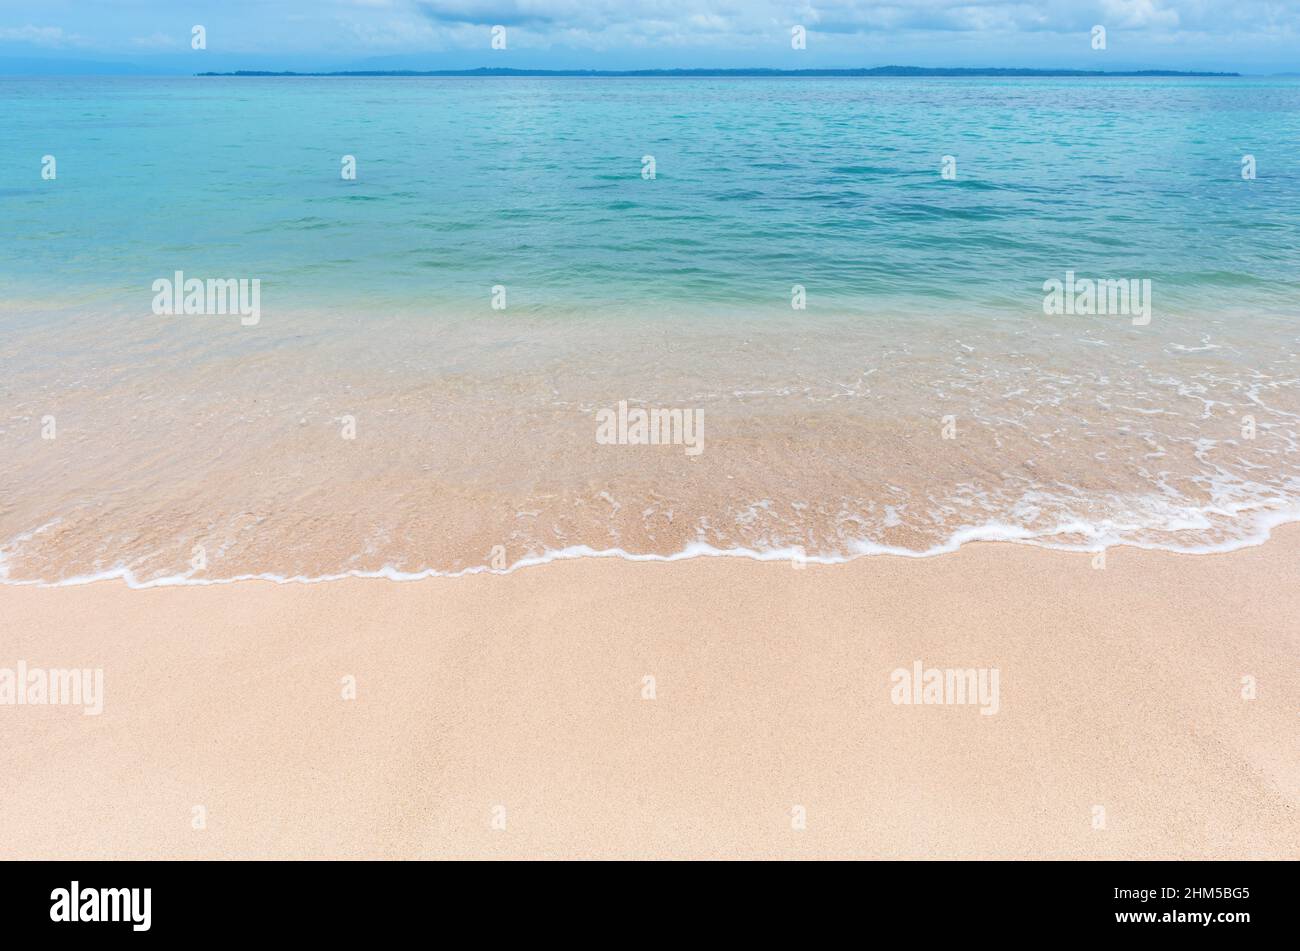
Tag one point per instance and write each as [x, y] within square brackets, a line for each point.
[517, 700]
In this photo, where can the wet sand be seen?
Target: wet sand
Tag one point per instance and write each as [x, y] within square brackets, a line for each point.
[302, 451]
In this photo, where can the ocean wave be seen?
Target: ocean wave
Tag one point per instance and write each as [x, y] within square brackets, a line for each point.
[1255, 531]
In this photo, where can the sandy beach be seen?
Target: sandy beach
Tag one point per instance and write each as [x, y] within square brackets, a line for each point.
[510, 716]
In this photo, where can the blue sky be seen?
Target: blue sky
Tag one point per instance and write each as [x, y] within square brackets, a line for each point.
[153, 36]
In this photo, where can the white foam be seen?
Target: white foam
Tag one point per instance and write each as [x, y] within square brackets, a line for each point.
[1099, 538]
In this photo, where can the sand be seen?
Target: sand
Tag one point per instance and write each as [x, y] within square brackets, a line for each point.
[505, 715]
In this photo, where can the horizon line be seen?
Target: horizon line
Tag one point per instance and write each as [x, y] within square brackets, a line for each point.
[704, 72]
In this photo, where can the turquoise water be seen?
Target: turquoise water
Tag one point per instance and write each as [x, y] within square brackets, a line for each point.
[760, 184]
[921, 400]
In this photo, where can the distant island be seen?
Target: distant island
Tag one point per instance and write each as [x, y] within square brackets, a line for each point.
[727, 73]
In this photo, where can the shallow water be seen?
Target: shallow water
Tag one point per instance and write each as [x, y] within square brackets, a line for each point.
[380, 416]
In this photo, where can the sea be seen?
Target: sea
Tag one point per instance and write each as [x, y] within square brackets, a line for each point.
[306, 328]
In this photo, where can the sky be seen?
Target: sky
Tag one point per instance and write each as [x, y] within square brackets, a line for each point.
[154, 36]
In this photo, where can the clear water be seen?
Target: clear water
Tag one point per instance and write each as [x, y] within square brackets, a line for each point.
[475, 426]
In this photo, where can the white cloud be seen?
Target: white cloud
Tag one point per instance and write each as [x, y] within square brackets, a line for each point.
[156, 41]
[844, 16]
[49, 36]
[697, 32]
[1136, 14]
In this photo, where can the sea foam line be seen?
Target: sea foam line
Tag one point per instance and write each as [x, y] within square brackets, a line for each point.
[1104, 539]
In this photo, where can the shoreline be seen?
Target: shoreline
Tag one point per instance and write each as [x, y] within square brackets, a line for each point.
[980, 535]
[411, 456]
[1120, 688]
